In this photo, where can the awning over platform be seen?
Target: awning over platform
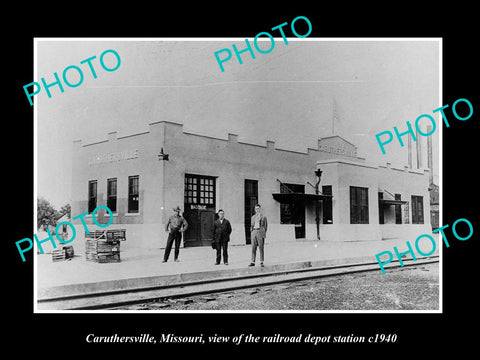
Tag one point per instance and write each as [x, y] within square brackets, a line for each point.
[293, 196]
[386, 202]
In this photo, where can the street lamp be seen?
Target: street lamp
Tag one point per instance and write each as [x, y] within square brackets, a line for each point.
[162, 155]
[318, 174]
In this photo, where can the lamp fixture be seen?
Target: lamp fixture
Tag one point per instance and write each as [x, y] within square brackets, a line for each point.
[162, 155]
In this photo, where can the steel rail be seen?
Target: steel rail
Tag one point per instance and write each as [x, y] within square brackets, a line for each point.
[110, 299]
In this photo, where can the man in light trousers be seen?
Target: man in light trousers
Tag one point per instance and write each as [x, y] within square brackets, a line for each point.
[258, 230]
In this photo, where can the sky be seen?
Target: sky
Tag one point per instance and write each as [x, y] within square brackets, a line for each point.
[287, 96]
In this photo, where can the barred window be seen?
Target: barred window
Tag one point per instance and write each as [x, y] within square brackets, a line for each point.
[358, 205]
[327, 205]
[112, 194]
[287, 208]
[381, 210]
[398, 210]
[92, 195]
[133, 194]
[417, 209]
[199, 189]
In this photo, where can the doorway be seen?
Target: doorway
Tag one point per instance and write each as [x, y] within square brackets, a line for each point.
[251, 199]
[199, 200]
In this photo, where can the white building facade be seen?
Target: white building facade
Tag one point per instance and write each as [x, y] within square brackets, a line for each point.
[141, 177]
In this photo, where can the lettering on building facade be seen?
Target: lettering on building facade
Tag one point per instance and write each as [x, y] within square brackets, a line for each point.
[115, 156]
[337, 145]
[336, 150]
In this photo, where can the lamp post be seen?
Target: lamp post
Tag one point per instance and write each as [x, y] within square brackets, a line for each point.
[162, 156]
[318, 174]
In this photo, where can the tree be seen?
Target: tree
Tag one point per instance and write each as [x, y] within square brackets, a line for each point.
[46, 214]
[66, 209]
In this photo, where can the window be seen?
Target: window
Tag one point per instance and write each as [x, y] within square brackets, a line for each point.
[291, 213]
[133, 194]
[199, 190]
[381, 211]
[417, 209]
[398, 210]
[285, 209]
[92, 195]
[358, 205]
[112, 194]
[327, 205]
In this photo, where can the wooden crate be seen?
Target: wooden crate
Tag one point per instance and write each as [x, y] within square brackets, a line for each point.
[69, 253]
[63, 253]
[111, 235]
[102, 251]
[116, 235]
[106, 258]
[58, 255]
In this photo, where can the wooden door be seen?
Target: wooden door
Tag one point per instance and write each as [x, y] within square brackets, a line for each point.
[251, 199]
[199, 209]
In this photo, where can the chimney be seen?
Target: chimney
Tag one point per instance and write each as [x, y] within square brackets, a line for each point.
[419, 150]
[409, 151]
[430, 154]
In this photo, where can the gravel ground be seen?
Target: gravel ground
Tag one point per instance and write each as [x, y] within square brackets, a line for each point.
[412, 288]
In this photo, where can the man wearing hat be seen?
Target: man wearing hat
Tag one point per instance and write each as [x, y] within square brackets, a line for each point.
[176, 224]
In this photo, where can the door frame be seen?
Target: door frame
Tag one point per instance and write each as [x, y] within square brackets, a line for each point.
[249, 207]
[197, 200]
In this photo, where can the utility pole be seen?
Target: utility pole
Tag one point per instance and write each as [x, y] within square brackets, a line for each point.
[318, 174]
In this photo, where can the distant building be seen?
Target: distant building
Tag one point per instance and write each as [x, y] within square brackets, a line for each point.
[135, 178]
[434, 205]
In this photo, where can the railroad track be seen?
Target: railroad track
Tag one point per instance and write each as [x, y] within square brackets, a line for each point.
[110, 299]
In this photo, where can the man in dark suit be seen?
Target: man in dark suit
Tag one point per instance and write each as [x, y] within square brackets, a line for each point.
[221, 236]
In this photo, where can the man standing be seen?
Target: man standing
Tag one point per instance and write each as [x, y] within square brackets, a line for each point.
[258, 234]
[176, 224]
[221, 236]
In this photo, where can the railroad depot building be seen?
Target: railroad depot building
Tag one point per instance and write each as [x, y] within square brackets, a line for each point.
[141, 177]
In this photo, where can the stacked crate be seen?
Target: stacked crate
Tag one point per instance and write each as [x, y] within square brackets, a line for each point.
[58, 255]
[64, 253]
[69, 253]
[103, 246]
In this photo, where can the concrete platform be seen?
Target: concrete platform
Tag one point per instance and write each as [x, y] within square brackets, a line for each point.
[144, 267]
